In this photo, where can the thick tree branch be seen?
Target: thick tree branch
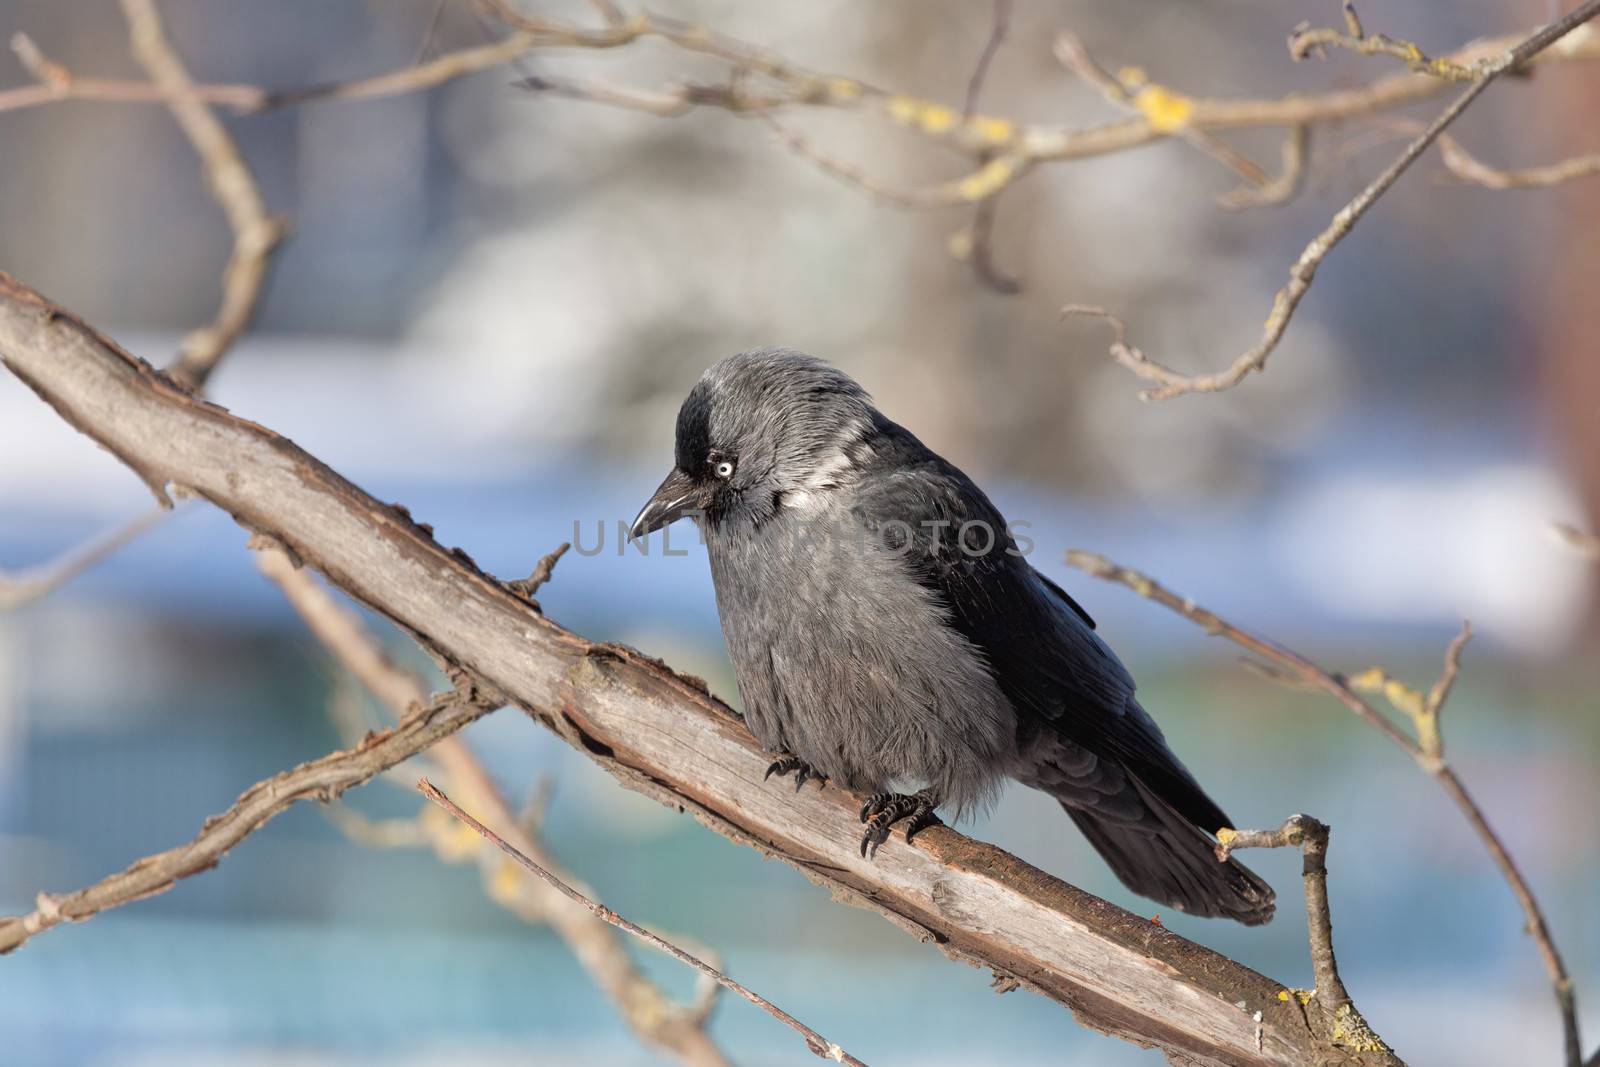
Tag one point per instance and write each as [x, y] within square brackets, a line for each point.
[818, 1044]
[1427, 750]
[656, 731]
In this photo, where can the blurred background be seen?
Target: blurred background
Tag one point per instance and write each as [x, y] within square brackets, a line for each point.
[489, 308]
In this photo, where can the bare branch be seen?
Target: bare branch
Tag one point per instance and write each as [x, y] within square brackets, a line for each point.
[1587, 544]
[526, 587]
[984, 183]
[1470, 169]
[24, 587]
[648, 1011]
[814, 1041]
[1286, 186]
[1332, 999]
[55, 83]
[657, 732]
[1167, 110]
[1304, 42]
[1171, 383]
[1427, 751]
[1163, 112]
[255, 233]
[973, 244]
[323, 779]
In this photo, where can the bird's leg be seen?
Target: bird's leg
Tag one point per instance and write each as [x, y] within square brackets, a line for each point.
[803, 772]
[883, 810]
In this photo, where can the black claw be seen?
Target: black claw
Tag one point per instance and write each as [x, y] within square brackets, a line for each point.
[883, 810]
[875, 803]
[802, 771]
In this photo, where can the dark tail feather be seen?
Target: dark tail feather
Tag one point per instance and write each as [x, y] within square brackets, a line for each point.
[1170, 860]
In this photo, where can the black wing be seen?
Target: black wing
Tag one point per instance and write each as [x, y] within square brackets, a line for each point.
[1039, 643]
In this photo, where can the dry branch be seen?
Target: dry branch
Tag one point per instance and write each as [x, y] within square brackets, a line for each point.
[1331, 999]
[656, 731]
[255, 233]
[1354, 38]
[646, 1009]
[23, 587]
[818, 1044]
[323, 779]
[1586, 544]
[1427, 749]
[1170, 383]
[1469, 168]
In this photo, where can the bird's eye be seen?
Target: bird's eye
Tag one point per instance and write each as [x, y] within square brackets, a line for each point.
[724, 469]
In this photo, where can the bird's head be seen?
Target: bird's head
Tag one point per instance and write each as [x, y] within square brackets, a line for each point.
[759, 432]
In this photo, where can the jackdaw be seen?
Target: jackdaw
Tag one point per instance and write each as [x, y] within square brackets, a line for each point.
[887, 634]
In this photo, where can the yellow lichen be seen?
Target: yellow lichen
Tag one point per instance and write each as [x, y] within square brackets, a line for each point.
[844, 88]
[1227, 834]
[960, 245]
[937, 119]
[988, 179]
[903, 109]
[995, 131]
[1351, 1031]
[452, 840]
[506, 882]
[1167, 111]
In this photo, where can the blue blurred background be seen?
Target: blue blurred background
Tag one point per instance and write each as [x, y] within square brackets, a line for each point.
[489, 308]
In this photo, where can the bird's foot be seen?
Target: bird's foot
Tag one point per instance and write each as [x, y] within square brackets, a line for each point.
[802, 771]
[883, 810]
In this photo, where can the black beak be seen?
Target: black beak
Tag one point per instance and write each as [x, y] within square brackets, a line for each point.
[674, 497]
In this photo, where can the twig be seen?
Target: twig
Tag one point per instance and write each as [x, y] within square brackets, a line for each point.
[1165, 109]
[1303, 42]
[984, 183]
[54, 83]
[1171, 383]
[526, 587]
[814, 1041]
[1350, 1030]
[648, 1011]
[429, 30]
[1470, 169]
[1427, 751]
[1286, 186]
[24, 587]
[1586, 543]
[973, 244]
[975, 135]
[323, 779]
[255, 233]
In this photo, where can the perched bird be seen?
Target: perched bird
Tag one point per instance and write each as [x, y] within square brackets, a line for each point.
[888, 635]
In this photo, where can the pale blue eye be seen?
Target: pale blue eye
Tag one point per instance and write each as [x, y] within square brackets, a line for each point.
[725, 469]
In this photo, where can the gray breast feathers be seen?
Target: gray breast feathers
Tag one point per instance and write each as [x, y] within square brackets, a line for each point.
[847, 662]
